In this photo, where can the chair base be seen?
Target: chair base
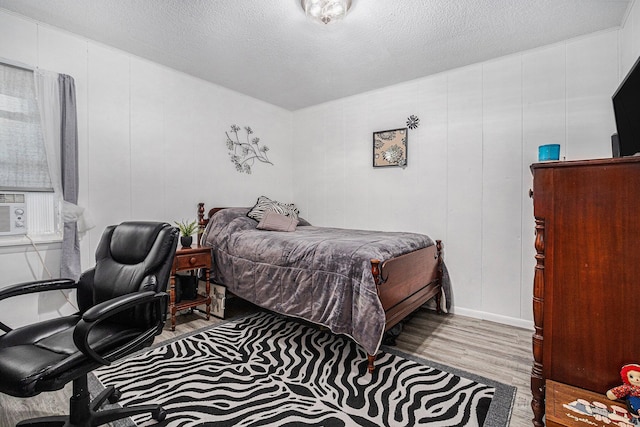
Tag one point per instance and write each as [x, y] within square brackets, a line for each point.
[83, 412]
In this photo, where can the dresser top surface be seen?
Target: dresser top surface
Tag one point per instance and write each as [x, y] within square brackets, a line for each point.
[590, 162]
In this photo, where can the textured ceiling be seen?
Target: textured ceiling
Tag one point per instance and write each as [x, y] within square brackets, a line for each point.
[269, 50]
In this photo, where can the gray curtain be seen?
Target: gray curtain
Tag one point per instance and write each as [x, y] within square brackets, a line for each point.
[70, 262]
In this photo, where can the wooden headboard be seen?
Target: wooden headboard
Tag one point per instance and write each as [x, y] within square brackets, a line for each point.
[203, 221]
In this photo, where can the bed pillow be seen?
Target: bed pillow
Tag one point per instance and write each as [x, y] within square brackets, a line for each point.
[302, 221]
[265, 204]
[274, 221]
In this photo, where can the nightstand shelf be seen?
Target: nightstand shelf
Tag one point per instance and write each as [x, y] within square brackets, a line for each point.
[190, 259]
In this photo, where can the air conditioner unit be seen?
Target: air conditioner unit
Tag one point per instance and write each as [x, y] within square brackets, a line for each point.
[13, 214]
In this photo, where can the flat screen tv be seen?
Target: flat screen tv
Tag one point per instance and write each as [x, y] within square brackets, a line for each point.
[626, 107]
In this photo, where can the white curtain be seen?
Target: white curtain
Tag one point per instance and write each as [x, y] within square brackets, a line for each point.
[75, 218]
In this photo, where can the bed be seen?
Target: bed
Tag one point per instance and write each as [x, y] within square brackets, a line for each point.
[355, 282]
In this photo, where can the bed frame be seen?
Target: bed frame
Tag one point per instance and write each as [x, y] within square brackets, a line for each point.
[403, 283]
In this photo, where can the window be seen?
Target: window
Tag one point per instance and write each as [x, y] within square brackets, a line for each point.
[23, 156]
[23, 160]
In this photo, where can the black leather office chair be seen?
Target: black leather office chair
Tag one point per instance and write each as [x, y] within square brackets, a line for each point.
[122, 306]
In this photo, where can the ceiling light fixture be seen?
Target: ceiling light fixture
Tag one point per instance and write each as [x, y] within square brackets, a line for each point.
[326, 11]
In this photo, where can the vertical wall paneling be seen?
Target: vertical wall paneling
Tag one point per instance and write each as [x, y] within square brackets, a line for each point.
[317, 175]
[405, 192]
[381, 182]
[308, 155]
[302, 132]
[27, 308]
[357, 198]
[630, 39]
[183, 109]
[147, 141]
[592, 64]
[62, 52]
[464, 186]
[429, 158]
[109, 155]
[210, 149]
[334, 163]
[635, 22]
[626, 42]
[19, 40]
[502, 186]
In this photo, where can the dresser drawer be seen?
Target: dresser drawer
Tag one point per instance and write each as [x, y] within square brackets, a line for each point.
[190, 261]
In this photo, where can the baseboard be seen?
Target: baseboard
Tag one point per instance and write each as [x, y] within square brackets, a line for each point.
[483, 315]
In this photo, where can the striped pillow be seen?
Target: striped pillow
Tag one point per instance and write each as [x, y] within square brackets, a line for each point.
[265, 204]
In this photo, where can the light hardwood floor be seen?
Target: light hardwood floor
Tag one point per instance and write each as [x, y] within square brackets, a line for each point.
[496, 351]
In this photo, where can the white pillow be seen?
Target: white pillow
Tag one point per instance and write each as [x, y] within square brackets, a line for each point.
[274, 221]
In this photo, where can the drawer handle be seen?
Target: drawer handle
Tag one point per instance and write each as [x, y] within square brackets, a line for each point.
[192, 260]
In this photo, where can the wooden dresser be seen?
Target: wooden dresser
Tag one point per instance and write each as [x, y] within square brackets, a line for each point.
[586, 297]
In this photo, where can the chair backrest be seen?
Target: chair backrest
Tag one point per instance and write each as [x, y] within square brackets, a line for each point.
[131, 257]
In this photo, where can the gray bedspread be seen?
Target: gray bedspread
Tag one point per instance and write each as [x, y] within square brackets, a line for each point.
[319, 274]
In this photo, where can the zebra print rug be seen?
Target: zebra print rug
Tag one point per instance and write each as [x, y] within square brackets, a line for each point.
[267, 370]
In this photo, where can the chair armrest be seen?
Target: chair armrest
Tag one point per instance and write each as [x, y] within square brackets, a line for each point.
[36, 286]
[33, 287]
[104, 311]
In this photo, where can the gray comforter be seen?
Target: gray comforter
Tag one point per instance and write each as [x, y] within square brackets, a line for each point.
[319, 274]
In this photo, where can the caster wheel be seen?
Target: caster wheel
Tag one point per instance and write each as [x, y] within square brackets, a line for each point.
[159, 414]
[115, 396]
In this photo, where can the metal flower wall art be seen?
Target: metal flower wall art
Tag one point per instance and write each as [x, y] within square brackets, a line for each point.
[413, 122]
[243, 154]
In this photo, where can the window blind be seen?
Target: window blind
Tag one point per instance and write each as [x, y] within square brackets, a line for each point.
[23, 160]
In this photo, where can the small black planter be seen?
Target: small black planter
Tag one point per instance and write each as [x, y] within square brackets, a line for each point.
[186, 241]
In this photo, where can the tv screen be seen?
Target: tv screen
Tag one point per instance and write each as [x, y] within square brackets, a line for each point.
[626, 107]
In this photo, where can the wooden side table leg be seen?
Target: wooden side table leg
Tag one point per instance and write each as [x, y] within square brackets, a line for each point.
[207, 286]
[172, 302]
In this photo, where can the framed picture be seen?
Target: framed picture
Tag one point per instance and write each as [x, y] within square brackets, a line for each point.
[218, 300]
[390, 148]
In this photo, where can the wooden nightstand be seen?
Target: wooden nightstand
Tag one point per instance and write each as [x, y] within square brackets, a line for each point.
[190, 259]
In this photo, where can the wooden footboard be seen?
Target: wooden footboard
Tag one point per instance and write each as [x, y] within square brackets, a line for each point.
[407, 282]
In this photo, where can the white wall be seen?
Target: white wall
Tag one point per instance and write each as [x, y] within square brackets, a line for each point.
[468, 177]
[151, 143]
[630, 39]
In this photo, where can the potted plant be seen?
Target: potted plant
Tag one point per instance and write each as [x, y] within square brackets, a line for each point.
[187, 230]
